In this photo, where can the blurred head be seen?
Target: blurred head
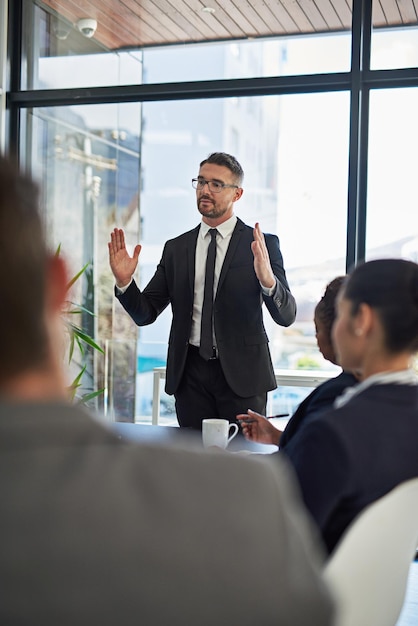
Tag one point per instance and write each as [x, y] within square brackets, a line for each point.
[325, 313]
[377, 311]
[25, 271]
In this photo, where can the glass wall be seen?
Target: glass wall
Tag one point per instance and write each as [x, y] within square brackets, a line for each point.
[294, 152]
[130, 165]
[87, 160]
[59, 56]
[392, 202]
[248, 59]
[394, 48]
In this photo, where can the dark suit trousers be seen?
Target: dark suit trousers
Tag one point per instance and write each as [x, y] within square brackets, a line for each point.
[204, 392]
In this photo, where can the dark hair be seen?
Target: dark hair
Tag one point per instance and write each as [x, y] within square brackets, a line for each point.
[226, 160]
[23, 257]
[391, 287]
[325, 309]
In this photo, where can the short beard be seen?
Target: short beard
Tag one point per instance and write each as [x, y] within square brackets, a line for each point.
[212, 213]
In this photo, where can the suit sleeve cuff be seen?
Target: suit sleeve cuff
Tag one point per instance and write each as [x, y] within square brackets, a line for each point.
[121, 290]
[269, 291]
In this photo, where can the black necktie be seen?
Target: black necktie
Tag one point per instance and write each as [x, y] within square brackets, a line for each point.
[206, 336]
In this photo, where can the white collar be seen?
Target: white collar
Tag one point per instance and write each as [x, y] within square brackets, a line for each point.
[404, 377]
[225, 229]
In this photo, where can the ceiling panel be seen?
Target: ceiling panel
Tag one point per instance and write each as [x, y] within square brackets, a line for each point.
[141, 23]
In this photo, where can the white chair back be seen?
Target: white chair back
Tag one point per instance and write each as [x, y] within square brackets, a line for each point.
[368, 572]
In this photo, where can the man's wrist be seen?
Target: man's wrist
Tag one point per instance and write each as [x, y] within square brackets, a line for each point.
[269, 291]
[122, 288]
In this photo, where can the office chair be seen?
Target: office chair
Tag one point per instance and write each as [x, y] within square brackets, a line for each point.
[368, 572]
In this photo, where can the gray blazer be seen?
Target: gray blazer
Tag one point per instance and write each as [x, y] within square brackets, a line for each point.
[240, 334]
[97, 531]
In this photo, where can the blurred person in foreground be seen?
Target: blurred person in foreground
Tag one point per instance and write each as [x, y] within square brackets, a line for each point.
[366, 444]
[99, 531]
[259, 428]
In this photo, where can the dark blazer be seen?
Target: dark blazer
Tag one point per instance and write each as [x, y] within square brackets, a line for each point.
[346, 458]
[320, 399]
[240, 334]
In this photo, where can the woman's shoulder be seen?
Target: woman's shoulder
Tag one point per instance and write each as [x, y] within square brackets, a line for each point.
[334, 386]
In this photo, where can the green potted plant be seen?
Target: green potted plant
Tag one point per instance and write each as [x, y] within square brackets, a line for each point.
[78, 338]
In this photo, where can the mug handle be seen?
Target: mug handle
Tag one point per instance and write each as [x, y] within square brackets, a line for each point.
[235, 427]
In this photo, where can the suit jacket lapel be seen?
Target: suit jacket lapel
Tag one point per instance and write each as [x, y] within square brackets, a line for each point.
[191, 255]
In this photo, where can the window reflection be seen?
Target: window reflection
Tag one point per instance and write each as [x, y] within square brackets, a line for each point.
[88, 164]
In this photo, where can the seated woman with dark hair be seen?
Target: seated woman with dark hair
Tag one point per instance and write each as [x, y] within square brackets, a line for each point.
[259, 429]
[350, 455]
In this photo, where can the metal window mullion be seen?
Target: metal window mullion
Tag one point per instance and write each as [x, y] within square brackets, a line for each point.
[15, 25]
[3, 66]
[359, 120]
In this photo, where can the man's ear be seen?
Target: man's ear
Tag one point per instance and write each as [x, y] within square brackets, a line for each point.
[56, 283]
[238, 193]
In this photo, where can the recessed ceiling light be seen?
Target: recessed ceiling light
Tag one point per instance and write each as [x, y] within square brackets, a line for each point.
[208, 10]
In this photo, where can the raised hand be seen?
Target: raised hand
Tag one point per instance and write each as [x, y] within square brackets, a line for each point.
[122, 265]
[262, 265]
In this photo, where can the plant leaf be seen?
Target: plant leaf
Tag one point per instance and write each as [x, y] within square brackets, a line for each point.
[89, 396]
[81, 335]
[78, 336]
[80, 309]
[77, 276]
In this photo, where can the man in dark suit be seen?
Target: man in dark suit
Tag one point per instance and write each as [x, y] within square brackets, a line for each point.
[236, 372]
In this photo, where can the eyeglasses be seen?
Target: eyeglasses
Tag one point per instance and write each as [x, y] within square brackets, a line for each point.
[213, 185]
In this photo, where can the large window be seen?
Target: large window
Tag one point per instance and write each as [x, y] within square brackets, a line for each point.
[395, 48]
[331, 176]
[249, 59]
[87, 161]
[392, 206]
[59, 56]
[294, 151]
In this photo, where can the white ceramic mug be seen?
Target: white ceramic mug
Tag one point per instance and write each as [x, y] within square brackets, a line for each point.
[215, 432]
